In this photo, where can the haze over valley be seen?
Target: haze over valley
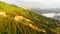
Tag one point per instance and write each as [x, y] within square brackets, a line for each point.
[51, 13]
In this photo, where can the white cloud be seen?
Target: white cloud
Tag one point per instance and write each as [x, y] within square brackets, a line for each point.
[36, 3]
[30, 0]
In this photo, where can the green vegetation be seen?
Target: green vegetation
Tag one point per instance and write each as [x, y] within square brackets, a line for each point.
[16, 20]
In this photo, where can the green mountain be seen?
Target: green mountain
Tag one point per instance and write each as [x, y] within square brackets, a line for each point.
[16, 20]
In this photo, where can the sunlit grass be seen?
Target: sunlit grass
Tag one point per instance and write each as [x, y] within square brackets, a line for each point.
[16, 20]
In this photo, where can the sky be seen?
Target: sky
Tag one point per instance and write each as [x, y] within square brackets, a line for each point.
[44, 4]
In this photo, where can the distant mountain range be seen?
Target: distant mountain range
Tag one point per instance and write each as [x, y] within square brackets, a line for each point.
[54, 13]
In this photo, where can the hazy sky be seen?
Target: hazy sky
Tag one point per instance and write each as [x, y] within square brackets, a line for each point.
[36, 3]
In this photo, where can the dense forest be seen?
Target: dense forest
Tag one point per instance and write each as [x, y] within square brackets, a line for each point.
[17, 20]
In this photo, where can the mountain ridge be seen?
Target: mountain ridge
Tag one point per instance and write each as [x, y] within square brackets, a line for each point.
[16, 20]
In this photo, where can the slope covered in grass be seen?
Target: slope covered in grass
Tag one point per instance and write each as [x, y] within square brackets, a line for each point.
[16, 20]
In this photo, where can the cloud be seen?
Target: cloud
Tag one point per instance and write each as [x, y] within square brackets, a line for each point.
[36, 3]
[30, 0]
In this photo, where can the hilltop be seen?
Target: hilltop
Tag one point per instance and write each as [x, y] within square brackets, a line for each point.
[16, 20]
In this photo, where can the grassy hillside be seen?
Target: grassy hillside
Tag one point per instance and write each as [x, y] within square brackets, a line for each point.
[16, 20]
